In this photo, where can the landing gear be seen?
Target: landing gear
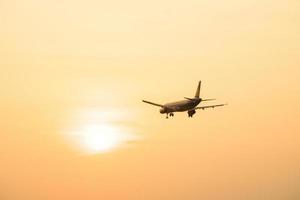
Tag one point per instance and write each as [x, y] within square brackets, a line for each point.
[191, 113]
[171, 115]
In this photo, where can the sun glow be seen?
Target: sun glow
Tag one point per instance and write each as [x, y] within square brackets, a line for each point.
[99, 132]
[101, 138]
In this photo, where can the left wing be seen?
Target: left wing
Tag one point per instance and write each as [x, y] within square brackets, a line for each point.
[212, 106]
[155, 104]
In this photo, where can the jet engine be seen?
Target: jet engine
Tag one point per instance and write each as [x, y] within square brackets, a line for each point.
[163, 110]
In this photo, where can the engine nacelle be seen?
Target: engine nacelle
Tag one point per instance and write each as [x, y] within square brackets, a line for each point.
[163, 110]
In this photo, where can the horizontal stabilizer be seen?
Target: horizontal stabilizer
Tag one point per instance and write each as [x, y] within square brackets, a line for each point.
[191, 99]
[207, 99]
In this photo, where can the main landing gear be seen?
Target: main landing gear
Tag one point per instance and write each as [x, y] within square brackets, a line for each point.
[171, 115]
[191, 113]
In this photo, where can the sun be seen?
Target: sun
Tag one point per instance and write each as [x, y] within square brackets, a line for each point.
[94, 132]
[99, 138]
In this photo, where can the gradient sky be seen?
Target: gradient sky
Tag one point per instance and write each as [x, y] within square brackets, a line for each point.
[65, 65]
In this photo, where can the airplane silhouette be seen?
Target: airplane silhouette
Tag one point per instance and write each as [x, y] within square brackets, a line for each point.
[189, 105]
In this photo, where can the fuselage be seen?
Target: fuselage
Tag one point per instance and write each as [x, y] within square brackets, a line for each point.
[180, 106]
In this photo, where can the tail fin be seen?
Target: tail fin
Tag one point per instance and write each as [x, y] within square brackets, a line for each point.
[197, 95]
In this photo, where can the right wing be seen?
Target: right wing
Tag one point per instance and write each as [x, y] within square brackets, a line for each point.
[211, 106]
[155, 104]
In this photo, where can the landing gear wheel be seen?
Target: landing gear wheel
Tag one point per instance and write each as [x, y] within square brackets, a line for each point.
[191, 113]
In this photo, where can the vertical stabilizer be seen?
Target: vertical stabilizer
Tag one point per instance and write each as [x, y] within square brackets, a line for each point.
[197, 95]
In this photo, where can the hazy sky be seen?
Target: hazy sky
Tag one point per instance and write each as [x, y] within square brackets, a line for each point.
[71, 70]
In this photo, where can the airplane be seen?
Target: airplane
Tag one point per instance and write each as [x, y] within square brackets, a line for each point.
[189, 105]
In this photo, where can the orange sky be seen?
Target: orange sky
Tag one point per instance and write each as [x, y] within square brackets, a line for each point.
[68, 66]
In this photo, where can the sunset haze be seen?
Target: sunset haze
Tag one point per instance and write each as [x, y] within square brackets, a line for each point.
[73, 75]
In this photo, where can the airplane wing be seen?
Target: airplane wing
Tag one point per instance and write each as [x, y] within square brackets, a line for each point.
[155, 104]
[211, 106]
